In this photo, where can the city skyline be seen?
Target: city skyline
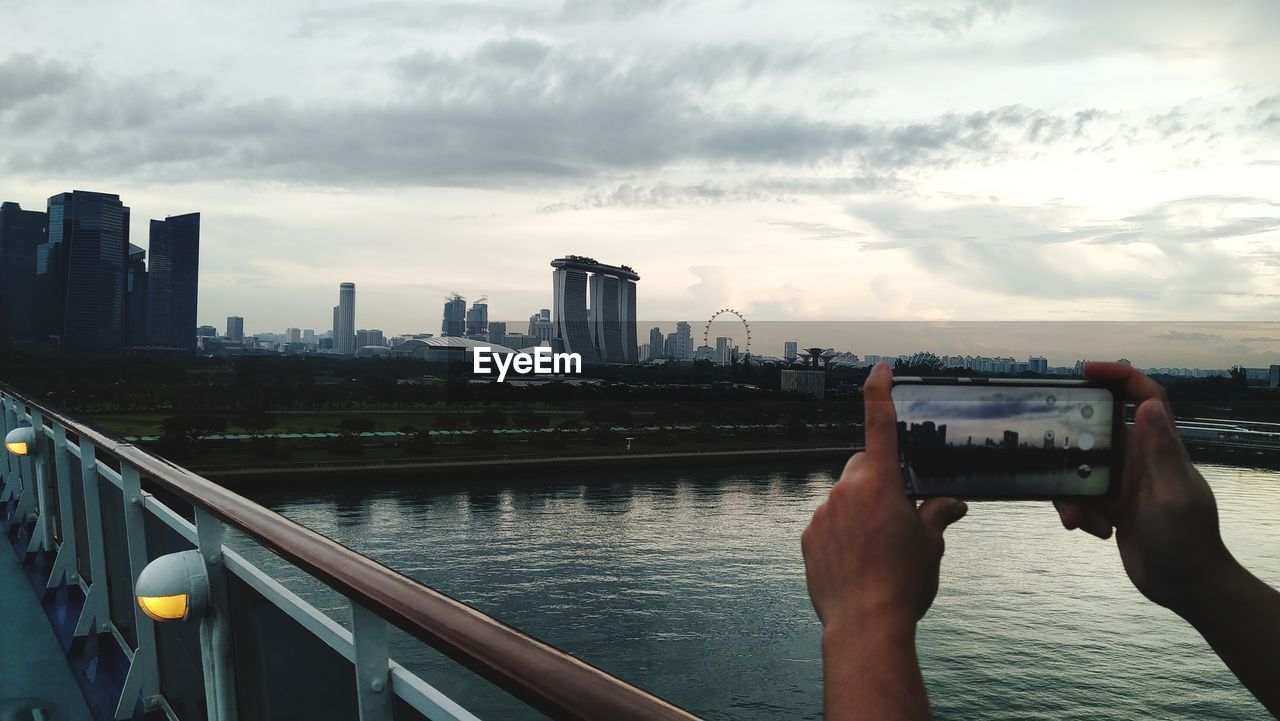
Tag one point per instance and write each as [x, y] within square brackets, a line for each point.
[829, 161]
[961, 416]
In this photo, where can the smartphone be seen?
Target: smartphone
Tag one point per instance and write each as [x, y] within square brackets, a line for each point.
[1008, 439]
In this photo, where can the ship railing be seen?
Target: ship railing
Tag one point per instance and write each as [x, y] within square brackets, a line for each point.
[89, 512]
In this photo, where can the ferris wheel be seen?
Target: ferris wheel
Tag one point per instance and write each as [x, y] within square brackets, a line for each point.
[746, 327]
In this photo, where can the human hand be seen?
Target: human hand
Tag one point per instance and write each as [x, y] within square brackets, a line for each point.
[1165, 517]
[871, 556]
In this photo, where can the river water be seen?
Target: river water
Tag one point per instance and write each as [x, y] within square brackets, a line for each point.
[690, 584]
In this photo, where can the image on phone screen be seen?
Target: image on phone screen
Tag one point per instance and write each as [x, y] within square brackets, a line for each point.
[1005, 442]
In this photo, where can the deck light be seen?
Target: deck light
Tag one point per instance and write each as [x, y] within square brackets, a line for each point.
[20, 441]
[174, 587]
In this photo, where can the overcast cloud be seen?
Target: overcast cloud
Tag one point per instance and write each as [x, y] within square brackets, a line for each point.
[912, 160]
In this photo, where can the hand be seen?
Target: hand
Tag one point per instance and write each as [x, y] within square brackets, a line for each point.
[871, 557]
[1164, 516]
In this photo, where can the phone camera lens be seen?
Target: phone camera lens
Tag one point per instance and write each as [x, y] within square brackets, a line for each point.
[1051, 400]
[1087, 412]
[1084, 470]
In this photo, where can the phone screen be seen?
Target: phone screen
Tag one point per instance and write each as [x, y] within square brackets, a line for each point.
[1011, 441]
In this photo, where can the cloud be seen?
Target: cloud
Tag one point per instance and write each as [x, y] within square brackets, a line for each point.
[516, 110]
[1163, 260]
[24, 76]
[1188, 337]
[952, 21]
[816, 231]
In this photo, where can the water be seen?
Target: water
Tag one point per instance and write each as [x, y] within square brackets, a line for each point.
[691, 585]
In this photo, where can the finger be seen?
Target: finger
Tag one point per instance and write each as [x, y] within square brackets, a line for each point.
[1129, 380]
[881, 419]
[851, 466]
[938, 513]
[1161, 447]
[1085, 516]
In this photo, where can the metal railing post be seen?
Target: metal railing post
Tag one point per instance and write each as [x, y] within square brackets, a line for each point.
[9, 421]
[215, 628]
[41, 536]
[20, 475]
[95, 617]
[143, 677]
[65, 568]
[373, 675]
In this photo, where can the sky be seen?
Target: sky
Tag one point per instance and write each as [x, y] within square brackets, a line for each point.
[820, 161]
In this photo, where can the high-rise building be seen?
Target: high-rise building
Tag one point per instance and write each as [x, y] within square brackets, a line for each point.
[724, 350]
[790, 350]
[540, 325]
[684, 342]
[455, 316]
[1038, 365]
[333, 334]
[80, 273]
[175, 278]
[477, 319]
[21, 232]
[292, 335]
[369, 337]
[498, 333]
[605, 330]
[137, 298]
[235, 328]
[308, 336]
[655, 343]
[344, 334]
[206, 331]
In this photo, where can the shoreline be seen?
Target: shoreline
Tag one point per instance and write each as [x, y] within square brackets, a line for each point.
[283, 474]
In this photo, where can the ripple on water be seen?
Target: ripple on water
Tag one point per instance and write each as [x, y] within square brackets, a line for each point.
[693, 587]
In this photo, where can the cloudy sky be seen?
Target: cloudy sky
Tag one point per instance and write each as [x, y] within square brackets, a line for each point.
[962, 160]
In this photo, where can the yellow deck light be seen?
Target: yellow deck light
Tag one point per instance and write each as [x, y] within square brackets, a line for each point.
[173, 587]
[20, 441]
[165, 608]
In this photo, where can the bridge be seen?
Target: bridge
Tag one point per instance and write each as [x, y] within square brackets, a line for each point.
[120, 600]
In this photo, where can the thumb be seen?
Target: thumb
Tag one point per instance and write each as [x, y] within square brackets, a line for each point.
[938, 513]
[1162, 449]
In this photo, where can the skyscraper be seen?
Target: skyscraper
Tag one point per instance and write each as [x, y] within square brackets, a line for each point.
[477, 318]
[175, 274]
[235, 328]
[790, 349]
[21, 232]
[540, 325]
[136, 301]
[344, 331]
[498, 333]
[684, 342]
[455, 316]
[723, 350]
[80, 273]
[655, 343]
[370, 336]
[606, 330]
